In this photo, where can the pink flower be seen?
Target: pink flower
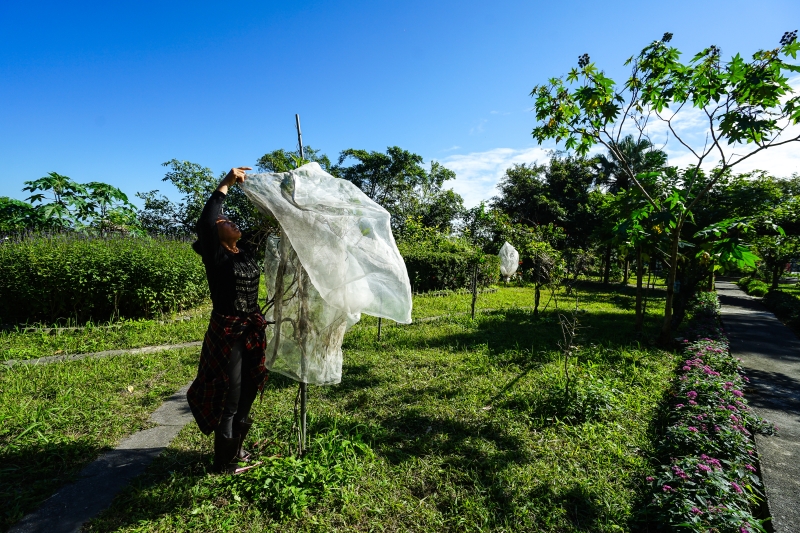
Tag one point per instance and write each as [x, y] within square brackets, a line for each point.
[750, 467]
[691, 395]
[692, 402]
[695, 510]
[649, 478]
[686, 368]
[736, 487]
[679, 406]
[693, 429]
[704, 468]
[738, 393]
[666, 488]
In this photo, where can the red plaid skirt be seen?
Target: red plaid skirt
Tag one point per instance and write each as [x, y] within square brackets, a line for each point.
[206, 395]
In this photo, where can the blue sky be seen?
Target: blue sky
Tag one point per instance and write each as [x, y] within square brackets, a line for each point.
[109, 91]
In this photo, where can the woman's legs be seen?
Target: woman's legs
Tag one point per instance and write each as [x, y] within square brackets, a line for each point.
[234, 391]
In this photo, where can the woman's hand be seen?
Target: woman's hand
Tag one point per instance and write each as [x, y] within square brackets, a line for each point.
[236, 175]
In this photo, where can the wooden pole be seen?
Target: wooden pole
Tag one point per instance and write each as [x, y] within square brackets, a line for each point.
[474, 289]
[379, 328]
[303, 385]
[299, 136]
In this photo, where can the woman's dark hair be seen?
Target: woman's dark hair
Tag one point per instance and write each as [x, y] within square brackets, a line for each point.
[197, 247]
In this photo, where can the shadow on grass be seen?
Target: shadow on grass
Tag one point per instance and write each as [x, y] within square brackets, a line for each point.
[167, 485]
[30, 475]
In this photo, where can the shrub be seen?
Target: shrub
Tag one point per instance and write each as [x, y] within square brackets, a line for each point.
[757, 288]
[431, 271]
[785, 306]
[73, 277]
[710, 482]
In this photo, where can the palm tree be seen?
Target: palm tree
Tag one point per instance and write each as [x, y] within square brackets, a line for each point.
[626, 157]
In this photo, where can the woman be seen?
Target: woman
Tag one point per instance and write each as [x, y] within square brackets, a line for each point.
[231, 369]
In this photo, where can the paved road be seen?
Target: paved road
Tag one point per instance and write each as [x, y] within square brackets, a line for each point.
[770, 354]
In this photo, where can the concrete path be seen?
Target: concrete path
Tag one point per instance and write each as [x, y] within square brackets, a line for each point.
[99, 355]
[98, 483]
[770, 354]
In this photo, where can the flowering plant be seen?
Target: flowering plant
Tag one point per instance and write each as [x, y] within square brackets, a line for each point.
[711, 482]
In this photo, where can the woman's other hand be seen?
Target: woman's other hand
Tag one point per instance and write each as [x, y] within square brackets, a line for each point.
[236, 175]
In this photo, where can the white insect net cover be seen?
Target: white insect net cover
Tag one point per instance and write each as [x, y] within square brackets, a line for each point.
[336, 259]
[509, 260]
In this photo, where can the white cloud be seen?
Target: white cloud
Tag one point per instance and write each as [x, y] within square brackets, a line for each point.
[478, 173]
[478, 128]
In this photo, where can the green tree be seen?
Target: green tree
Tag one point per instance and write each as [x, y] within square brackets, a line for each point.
[399, 182]
[61, 201]
[283, 161]
[744, 103]
[559, 193]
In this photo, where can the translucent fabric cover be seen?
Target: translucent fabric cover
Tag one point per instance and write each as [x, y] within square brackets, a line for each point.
[335, 260]
[509, 260]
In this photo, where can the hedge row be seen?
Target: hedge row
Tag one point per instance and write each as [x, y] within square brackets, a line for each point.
[434, 271]
[70, 277]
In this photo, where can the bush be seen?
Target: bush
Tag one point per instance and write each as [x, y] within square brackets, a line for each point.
[708, 480]
[73, 277]
[431, 271]
[785, 306]
[757, 288]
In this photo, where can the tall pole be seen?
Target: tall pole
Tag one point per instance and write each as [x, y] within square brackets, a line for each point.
[303, 384]
[474, 288]
[299, 136]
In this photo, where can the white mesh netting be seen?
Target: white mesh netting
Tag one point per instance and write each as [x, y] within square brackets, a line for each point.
[336, 259]
[509, 260]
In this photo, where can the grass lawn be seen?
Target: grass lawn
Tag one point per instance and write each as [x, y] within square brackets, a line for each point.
[16, 344]
[56, 418]
[445, 425]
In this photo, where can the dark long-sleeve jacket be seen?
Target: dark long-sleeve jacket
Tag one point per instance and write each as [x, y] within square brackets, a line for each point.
[232, 278]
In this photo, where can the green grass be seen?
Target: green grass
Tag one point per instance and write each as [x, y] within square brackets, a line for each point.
[465, 426]
[56, 418]
[127, 334]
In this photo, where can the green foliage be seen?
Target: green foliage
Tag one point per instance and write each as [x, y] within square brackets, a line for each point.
[709, 480]
[754, 287]
[282, 161]
[558, 193]
[398, 181]
[437, 261]
[459, 416]
[62, 277]
[785, 303]
[284, 487]
[60, 204]
[745, 103]
[433, 270]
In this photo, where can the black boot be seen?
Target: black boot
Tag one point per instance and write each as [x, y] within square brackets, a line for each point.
[240, 431]
[225, 449]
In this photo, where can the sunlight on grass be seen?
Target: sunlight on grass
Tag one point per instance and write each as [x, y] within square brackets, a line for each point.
[467, 425]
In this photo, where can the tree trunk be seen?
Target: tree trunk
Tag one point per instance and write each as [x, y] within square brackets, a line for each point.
[639, 277]
[776, 276]
[607, 265]
[666, 328]
[626, 270]
[536, 298]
